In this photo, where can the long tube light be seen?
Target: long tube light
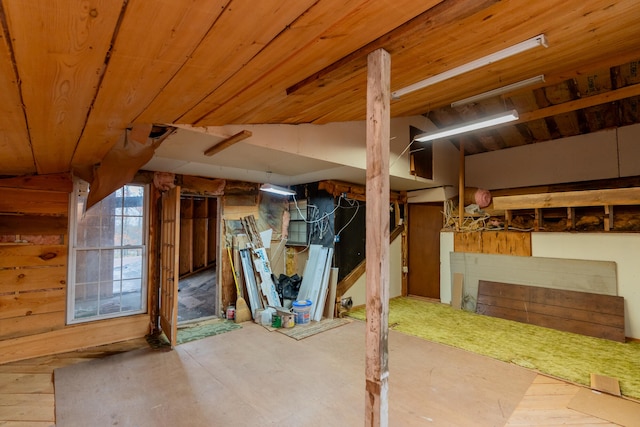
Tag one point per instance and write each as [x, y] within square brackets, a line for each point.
[539, 40]
[499, 91]
[469, 126]
[276, 189]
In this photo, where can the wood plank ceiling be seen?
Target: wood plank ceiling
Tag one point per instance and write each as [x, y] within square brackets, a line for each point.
[75, 73]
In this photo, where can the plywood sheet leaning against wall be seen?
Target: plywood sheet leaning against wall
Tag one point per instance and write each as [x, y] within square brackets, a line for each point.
[557, 273]
[33, 254]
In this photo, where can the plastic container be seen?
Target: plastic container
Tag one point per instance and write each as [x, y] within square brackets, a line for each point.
[302, 311]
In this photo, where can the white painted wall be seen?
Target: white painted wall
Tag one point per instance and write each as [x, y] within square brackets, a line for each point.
[358, 291]
[579, 158]
[622, 248]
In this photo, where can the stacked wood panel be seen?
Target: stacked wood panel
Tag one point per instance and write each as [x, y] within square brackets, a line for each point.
[33, 254]
[584, 313]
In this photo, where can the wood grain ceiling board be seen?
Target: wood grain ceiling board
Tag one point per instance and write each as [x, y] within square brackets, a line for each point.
[337, 82]
[14, 138]
[137, 71]
[60, 48]
[243, 30]
[335, 42]
[594, 35]
[298, 35]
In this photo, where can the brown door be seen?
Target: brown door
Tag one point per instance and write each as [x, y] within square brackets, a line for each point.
[425, 223]
[169, 264]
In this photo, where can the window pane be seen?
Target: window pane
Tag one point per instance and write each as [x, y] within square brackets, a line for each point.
[134, 200]
[87, 266]
[86, 300]
[111, 204]
[131, 294]
[132, 263]
[109, 265]
[110, 231]
[88, 231]
[109, 277]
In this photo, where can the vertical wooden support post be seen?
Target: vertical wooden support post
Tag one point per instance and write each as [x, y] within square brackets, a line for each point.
[377, 238]
[608, 217]
[538, 222]
[507, 219]
[571, 218]
[461, 185]
[405, 251]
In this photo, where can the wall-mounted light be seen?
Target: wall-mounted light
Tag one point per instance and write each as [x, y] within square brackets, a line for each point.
[276, 189]
[469, 126]
[531, 43]
[499, 91]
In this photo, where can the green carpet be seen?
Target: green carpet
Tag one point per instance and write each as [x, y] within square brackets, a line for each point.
[563, 355]
[192, 333]
[205, 329]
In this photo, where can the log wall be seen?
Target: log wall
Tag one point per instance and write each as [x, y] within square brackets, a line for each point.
[33, 254]
[33, 274]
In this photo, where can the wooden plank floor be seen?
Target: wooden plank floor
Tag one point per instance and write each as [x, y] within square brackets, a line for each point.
[27, 396]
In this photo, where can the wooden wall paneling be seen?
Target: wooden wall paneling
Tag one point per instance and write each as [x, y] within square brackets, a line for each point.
[48, 182]
[74, 337]
[555, 273]
[22, 200]
[14, 327]
[32, 302]
[494, 242]
[31, 279]
[34, 224]
[467, 242]
[32, 255]
[519, 243]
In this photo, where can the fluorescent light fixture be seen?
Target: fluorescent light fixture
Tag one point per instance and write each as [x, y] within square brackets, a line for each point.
[499, 91]
[469, 126]
[536, 41]
[276, 189]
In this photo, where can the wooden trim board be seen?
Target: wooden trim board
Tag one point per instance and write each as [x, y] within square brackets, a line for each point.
[74, 337]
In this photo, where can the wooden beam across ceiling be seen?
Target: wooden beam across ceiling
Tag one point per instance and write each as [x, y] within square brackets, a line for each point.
[578, 104]
[226, 143]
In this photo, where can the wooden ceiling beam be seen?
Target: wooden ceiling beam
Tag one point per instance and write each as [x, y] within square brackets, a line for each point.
[578, 104]
[226, 143]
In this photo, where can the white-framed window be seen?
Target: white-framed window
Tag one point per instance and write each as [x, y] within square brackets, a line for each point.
[107, 254]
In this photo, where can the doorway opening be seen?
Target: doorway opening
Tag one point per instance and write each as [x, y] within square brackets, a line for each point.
[198, 284]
